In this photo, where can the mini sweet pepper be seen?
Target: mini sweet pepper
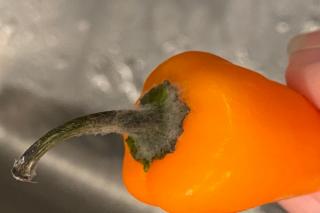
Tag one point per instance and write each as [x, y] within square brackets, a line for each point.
[206, 136]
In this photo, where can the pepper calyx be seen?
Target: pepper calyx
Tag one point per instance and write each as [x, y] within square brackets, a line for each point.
[160, 136]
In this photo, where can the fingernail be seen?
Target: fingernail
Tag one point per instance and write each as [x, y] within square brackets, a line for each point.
[304, 41]
[303, 71]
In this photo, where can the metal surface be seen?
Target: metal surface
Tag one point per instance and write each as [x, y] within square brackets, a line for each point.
[64, 58]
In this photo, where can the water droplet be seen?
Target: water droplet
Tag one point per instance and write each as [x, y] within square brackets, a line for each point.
[282, 27]
[242, 56]
[127, 84]
[101, 82]
[125, 72]
[130, 90]
[310, 26]
[7, 29]
[6, 32]
[169, 47]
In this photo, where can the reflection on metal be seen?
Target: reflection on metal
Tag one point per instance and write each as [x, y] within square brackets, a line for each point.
[101, 81]
[127, 84]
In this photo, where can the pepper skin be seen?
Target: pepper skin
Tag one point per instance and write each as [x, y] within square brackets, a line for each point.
[247, 141]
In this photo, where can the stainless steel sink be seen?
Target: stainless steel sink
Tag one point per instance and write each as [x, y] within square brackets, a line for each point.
[65, 58]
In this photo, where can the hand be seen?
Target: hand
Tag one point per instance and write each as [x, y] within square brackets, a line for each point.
[303, 75]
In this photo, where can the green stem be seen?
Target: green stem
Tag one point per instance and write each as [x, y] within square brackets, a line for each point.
[99, 123]
[152, 130]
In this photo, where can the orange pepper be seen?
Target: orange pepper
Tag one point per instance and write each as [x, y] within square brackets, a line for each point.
[246, 141]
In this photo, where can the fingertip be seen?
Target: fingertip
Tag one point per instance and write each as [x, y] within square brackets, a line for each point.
[304, 204]
[303, 71]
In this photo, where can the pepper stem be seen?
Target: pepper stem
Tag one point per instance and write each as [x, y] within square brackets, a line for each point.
[98, 123]
[152, 130]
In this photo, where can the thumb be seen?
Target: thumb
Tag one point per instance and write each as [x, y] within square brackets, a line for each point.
[303, 75]
[303, 72]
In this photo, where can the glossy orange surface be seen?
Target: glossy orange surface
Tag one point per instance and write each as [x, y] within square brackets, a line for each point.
[246, 141]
